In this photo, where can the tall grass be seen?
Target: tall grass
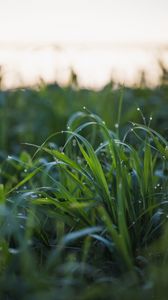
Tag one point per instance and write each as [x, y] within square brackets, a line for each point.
[89, 220]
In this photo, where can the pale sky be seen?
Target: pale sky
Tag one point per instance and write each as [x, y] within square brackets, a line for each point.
[59, 21]
[70, 23]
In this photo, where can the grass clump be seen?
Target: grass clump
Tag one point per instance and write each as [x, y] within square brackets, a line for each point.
[89, 219]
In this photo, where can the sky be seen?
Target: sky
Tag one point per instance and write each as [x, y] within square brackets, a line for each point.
[88, 33]
[83, 21]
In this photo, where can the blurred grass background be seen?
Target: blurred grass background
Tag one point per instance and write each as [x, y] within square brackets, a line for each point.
[32, 114]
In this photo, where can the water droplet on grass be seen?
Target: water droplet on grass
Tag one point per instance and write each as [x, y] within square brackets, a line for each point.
[9, 157]
[74, 143]
[79, 161]
[13, 251]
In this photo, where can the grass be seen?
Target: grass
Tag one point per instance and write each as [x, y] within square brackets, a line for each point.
[29, 115]
[87, 220]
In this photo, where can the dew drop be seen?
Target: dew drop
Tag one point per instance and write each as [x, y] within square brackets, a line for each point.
[79, 161]
[13, 251]
[74, 143]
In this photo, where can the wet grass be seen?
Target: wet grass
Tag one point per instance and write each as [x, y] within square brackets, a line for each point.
[83, 212]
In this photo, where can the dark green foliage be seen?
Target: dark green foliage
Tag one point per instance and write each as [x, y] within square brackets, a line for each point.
[83, 212]
[32, 115]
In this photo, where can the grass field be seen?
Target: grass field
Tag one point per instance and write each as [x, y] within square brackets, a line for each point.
[84, 193]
